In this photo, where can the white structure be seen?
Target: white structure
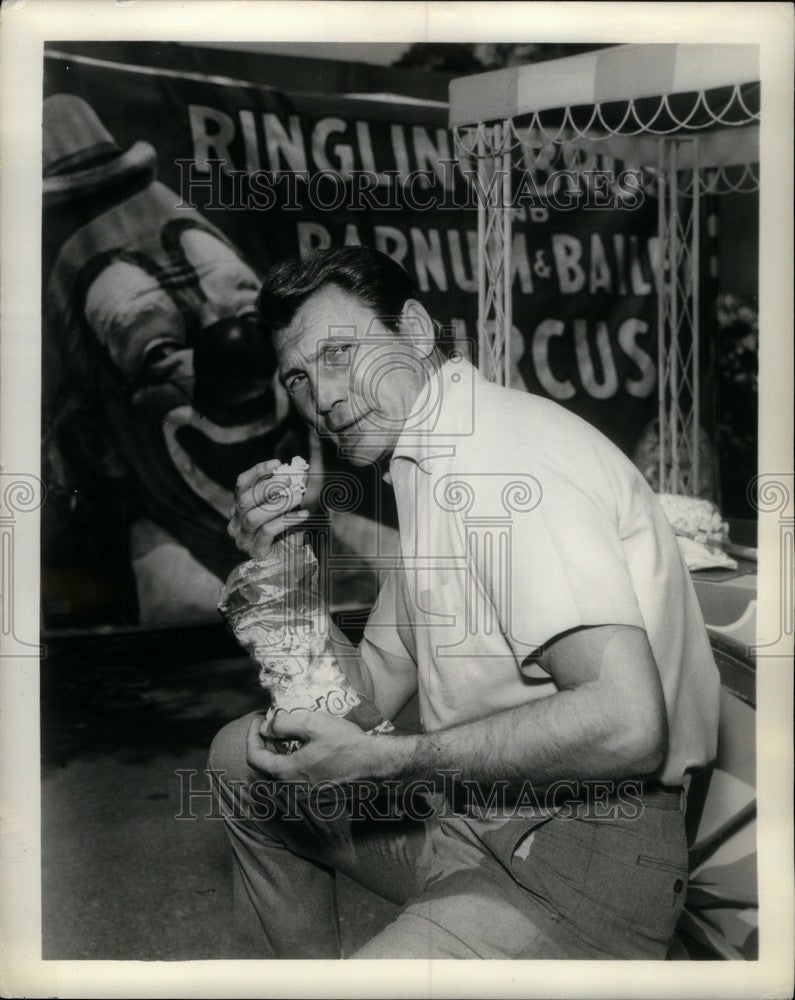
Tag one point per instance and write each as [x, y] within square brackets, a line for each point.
[685, 115]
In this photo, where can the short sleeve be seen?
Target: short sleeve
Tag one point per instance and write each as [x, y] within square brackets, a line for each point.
[566, 565]
[389, 624]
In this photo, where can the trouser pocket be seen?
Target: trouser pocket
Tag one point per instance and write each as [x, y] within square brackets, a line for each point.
[635, 888]
[661, 866]
[618, 886]
[550, 862]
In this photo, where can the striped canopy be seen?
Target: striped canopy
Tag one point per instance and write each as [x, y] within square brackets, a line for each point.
[622, 73]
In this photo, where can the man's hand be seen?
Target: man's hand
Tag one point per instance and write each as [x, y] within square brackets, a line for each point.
[333, 750]
[257, 518]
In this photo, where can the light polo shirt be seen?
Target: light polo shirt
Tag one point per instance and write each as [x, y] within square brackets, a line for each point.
[520, 521]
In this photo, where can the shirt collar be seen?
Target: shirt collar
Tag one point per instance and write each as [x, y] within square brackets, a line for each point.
[443, 414]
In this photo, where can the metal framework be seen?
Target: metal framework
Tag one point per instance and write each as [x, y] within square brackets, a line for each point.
[697, 135]
[679, 332]
[494, 257]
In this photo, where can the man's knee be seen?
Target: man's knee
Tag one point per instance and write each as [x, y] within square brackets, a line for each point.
[228, 750]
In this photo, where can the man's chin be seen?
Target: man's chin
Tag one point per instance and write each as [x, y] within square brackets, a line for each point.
[363, 451]
[360, 456]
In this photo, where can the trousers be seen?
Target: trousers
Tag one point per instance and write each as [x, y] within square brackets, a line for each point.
[571, 886]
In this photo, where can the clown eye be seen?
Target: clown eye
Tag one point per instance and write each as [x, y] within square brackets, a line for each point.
[129, 313]
[158, 351]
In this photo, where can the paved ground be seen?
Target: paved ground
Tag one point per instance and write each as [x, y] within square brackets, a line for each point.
[122, 877]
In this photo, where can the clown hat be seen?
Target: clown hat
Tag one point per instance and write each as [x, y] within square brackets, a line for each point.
[80, 155]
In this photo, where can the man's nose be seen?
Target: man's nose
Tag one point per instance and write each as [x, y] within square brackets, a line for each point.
[330, 393]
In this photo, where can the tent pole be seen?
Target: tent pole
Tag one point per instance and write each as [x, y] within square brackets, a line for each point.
[481, 253]
[673, 222]
[696, 300]
[662, 259]
[507, 309]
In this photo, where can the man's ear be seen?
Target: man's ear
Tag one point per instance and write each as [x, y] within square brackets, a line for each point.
[417, 325]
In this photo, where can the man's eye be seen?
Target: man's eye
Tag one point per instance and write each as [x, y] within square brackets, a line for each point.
[295, 383]
[337, 354]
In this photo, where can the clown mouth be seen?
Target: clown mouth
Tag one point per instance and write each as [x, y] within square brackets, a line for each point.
[210, 457]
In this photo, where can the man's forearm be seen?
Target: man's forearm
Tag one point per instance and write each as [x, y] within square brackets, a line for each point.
[606, 721]
[568, 735]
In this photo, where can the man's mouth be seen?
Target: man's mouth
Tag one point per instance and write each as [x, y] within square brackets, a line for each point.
[352, 425]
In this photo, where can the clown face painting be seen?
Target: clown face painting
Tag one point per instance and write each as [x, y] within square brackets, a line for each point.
[149, 310]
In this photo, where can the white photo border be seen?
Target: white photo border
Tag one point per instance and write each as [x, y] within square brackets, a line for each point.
[24, 27]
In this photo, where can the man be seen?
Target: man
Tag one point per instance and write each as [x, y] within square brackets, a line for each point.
[544, 616]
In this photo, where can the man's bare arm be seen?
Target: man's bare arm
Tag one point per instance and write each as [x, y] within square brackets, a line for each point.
[607, 720]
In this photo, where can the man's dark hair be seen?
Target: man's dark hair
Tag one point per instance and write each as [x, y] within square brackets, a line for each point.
[375, 279]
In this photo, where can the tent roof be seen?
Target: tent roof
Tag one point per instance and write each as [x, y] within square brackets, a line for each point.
[622, 73]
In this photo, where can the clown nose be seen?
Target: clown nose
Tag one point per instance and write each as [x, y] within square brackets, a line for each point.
[233, 362]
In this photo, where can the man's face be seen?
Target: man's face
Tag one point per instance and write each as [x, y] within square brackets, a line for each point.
[350, 376]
